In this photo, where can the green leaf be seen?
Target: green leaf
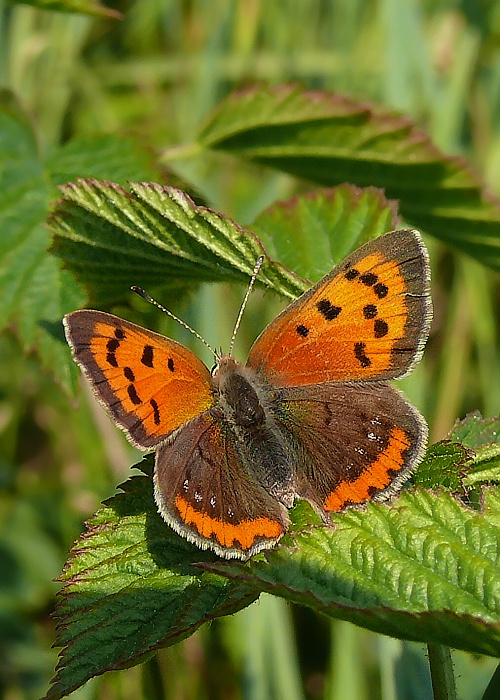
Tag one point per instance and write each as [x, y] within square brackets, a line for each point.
[443, 466]
[313, 232]
[329, 139]
[86, 7]
[34, 296]
[154, 235]
[102, 156]
[130, 588]
[482, 436]
[470, 455]
[35, 292]
[424, 568]
[475, 431]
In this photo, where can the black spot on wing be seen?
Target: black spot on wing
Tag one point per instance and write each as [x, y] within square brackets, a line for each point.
[111, 359]
[369, 279]
[360, 355]
[381, 328]
[112, 345]
[147, 356]
[381, 290]
[370, 311]
[133, 396]
[328, 310]
[156, 411]
[129, 374]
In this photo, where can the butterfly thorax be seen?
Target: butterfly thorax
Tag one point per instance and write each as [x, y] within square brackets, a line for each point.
[241, 397]
[245, 406]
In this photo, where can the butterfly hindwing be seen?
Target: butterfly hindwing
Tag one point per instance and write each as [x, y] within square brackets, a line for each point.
[150, 384]
[367, 319]
[204, 492]
[355, 441]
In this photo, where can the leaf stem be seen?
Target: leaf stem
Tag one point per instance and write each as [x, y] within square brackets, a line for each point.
[441, 667]
[152, 681]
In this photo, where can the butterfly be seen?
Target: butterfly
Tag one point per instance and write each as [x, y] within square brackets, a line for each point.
[311, 414]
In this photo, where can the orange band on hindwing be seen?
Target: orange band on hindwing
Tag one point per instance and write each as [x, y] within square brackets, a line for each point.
[244, 534]
[375, 478]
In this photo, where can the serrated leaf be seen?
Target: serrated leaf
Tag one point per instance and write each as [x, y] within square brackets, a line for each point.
[482, 435]
[154, 235]
[475, 431]
[330, 139]
[470, 455]
[443, 466]
[311, 233]
[424, 568]
[113, 238]
[86, 7]
[130, 588]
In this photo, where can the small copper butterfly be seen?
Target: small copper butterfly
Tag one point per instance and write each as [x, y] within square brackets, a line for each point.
[310, 415]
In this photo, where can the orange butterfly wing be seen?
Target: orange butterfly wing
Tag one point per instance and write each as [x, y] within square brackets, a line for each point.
[367, 319]
[150, 384]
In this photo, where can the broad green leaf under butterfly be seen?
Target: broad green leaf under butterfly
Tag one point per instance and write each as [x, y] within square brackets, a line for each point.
[329, 139]
[424, 568]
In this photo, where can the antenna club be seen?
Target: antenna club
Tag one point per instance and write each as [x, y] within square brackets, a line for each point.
[140, 292]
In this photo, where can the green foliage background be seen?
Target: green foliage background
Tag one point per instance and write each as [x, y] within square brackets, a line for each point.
[124, 100]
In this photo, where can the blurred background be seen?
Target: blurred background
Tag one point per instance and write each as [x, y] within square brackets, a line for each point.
[156, 74]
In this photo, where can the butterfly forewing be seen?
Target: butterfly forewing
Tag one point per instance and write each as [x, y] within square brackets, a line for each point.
[367, 319]
[150, 384]
[204, 492]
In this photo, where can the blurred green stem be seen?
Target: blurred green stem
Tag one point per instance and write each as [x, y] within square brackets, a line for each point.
[152, 680]
[441, 667]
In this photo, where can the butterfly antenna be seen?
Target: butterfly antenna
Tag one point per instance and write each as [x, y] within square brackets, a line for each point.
[145, 295]
[255, 272]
